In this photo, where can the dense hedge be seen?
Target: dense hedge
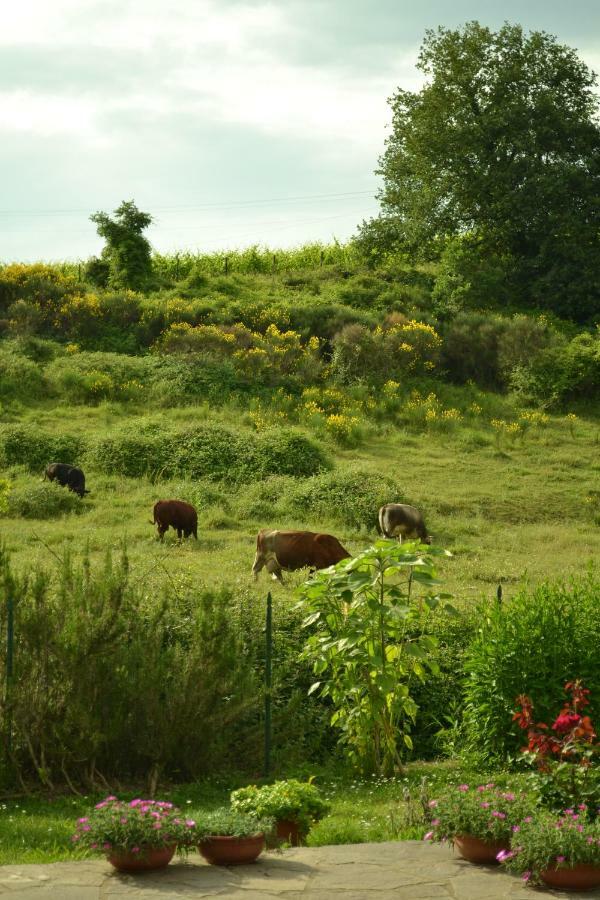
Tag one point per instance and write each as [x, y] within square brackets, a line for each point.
[544, 637]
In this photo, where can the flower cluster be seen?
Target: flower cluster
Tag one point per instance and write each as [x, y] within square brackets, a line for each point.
[484, 812]
[134, 827]
[573, 732]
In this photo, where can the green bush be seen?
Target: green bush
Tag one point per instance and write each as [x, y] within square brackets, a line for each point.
[561, 372]
[205, 452]
[350, 496]
[20, 377]
[89, 377]
[534, 644]
[30, 446]
[42, 501]
[137, 683]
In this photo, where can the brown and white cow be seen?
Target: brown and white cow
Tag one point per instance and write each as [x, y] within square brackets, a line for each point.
[177, 514]
[291, 550]
[402, 521]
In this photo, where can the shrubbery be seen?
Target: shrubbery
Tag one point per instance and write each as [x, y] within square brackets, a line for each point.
[42, 501]
[350, 496]
[533, 645]
[403, 348]
[205, 451]
[30, 446]
[114, 681]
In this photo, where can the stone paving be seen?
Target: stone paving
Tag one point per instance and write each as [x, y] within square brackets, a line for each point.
[407, 870]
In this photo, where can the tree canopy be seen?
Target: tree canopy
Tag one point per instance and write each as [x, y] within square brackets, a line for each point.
[499, 151]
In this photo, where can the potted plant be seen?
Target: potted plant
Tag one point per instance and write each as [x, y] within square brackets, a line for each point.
[478, 820]
[561, 851]
[137, 835]
[294, 805]
[232, 838]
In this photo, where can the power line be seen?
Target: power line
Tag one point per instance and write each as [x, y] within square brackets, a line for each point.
[283, 223]
[198, 206]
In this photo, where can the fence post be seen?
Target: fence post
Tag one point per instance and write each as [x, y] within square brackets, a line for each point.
[79, 272]
[322, 257]
[268, 682]
[177, 267]
[10, 640]
[499, 594]
[226, 265]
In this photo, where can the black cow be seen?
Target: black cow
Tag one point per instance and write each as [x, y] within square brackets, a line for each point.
[67, 476]
[400, 520]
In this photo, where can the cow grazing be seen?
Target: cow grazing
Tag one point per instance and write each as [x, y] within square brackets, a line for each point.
[402, 521]
[67, 476]
[180, 516]
[291, 550]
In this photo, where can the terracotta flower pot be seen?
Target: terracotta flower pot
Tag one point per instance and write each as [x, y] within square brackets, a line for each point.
[478, 850]
[145, 861]
[582, 877]
[289, 831]
[221, 850]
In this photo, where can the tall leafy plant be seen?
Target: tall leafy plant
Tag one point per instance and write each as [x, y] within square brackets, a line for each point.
[369, 645]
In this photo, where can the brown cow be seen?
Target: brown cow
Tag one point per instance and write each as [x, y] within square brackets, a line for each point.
[277, 550]
[177, 514]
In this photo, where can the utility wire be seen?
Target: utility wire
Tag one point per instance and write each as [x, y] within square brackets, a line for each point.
[227, 205]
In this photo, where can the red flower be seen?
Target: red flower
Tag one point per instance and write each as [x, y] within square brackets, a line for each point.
[565, 722]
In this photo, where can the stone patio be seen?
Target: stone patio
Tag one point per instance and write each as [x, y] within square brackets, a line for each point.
[407, 870]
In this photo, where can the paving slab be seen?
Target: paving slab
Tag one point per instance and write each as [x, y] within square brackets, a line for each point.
[403, 870]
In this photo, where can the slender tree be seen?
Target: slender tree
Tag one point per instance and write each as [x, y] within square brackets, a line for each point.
[127, 251]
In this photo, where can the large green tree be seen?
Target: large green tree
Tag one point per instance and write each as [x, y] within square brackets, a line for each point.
[499, 149]
[127, 253]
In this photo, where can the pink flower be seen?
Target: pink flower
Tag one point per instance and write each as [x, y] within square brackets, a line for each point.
[135, 849]
[504, 854]
[93, 846]
[463, 787]
[432, 803]
[123, 820]
[566, 723]
[498, 815]
[135, 802]
[526, 876]
[100, 805]
[190, 823]
[434, 822]
[111, 798]
[75, 837]
[106, 846]
[428, 836]
[157, 825]
[490, 785]
[516, 828]
[560, 859]
[582, 806]
[485, 805]
[569, 812]
[85, 819]
[528, 819]
[86, 828]
[481, 788]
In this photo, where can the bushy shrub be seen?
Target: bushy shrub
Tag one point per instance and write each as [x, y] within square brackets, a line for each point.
[288, 452]
[470, 348]
[404, 348]
[563, 371]
[42, 501]
[37, 283]
[136, 679]
[349, 496]
[205, 452]
[30, 446]
[534, 644]
[89, 377]
[19, 376]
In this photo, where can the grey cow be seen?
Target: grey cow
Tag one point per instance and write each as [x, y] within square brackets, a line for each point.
[402, 521]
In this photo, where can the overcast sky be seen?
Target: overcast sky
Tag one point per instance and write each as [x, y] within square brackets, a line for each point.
[231, 122]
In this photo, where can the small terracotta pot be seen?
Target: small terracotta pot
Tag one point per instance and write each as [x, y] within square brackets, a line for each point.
[289, 831]
[145, 861]
[582, 877]
[222, 850]
[477, 850]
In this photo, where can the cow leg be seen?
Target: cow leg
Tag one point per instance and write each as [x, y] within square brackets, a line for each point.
[161, 531]
[259, 562]
[179, 534]
[275, 570]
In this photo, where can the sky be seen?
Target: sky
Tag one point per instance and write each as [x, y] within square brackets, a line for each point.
[233, 123]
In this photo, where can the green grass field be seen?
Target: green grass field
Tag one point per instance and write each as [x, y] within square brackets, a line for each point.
[504, 511]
